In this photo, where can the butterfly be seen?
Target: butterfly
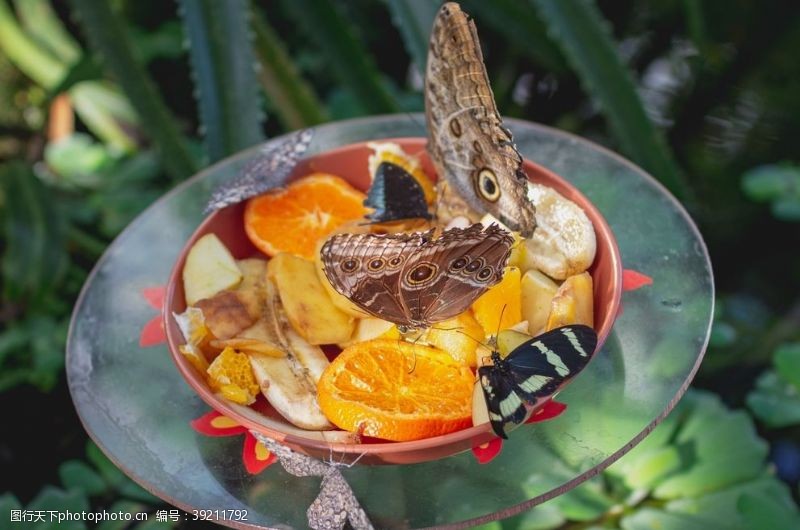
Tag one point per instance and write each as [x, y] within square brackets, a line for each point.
[268, 170]
[415, 280]
[534, 369]
[479, 167]
[395, 195]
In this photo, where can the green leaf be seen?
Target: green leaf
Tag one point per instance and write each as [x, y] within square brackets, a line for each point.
[774, 401]
[35, 259]
[26, 54]
[292, 99]
[76, 475]
[48, 338]
[8, 502]
[108, 35]
[107, 469]
[542, 517]
[78, 159]
[585, 503]
[787, 363]
[165, 42]
[769, 182]
[523, 28]
[652, 468]
[84, 69]
[787, 208]
[721, 505]
[725, 448]
[766, 512]
[650, 519]
[11, 339]
[106, 113]
[335, 38]
[579, 28]
[43, 25]
[414, 19]
[51, 498]
[223, 68]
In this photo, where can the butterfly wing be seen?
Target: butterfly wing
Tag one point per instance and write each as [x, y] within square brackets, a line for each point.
[395, 195]
[471, 150]
[502, 400]
[533, 370]
[444, 277]
[366, 268]
[268, 170]
[540, 365]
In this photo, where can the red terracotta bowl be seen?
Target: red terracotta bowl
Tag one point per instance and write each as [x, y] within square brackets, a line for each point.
[350, 162]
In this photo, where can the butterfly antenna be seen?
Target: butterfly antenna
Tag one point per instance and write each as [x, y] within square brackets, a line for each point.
[493, 339]
[472, 338]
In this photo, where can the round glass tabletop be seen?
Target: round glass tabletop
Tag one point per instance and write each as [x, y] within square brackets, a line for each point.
[137, 408]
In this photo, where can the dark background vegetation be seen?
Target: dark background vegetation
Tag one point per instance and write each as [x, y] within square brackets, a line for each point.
[106, 105]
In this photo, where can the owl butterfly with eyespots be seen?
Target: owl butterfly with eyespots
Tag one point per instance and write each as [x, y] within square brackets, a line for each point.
[479, 167]
[415, 280]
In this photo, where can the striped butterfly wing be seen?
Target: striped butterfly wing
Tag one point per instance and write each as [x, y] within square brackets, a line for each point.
[502, 400]
[538, 367]
[535, 369]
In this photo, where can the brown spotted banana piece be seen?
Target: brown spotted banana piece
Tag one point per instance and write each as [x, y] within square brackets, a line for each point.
[289, 383]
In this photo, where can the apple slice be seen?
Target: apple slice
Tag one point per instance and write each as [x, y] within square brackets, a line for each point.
[209, 269]
[537, 294]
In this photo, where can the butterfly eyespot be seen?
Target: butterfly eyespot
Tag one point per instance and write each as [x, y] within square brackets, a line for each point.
[395, 261]
[421, 273]
[349, 265]
[485, 274]
[476, 145]
[459, 263]
[376, 264]
[488, 187]
[455, 127]
[475, 264]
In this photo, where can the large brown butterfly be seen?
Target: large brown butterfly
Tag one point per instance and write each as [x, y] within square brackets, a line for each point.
[415, 280]
[479, 167]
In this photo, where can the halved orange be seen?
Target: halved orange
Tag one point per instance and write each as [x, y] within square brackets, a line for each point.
[293, 219]
[396, 390]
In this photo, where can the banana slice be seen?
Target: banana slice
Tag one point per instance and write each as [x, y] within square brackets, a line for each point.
[334, 436]
[290, 382]
[563, 243]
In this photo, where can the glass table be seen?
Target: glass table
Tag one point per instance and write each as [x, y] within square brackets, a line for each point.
[137, 408]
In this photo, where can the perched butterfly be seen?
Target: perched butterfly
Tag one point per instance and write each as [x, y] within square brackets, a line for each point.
[534, 369]
[414, 280]
[395, 195]
[268, 170]
[479, 167]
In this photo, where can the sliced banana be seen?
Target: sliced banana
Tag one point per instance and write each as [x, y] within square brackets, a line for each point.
[564, 242]
[289, 383]
[334, 436]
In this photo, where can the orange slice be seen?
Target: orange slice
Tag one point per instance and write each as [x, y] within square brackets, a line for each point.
[396, 390]
[230, 375]
[294, 218]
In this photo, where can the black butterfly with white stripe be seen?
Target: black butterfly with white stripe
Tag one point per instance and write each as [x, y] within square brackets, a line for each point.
[534, 369]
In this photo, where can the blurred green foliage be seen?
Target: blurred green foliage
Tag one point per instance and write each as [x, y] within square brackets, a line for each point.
[106, 105]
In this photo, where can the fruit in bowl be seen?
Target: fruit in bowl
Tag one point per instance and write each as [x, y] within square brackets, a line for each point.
[330, 372]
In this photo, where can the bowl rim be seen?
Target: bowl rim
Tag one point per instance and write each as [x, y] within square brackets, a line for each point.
[188, 372]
